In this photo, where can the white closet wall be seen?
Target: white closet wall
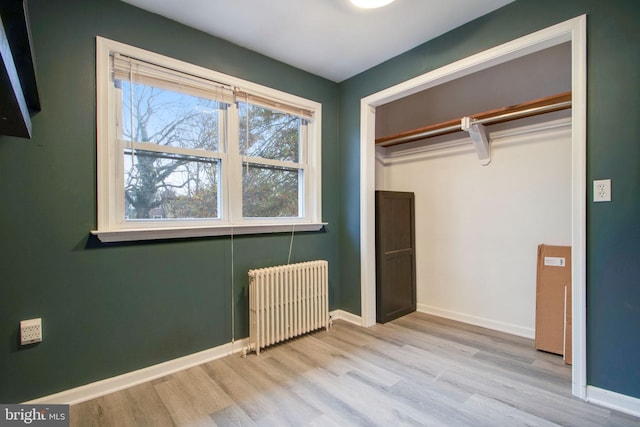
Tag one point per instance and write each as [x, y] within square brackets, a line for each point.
[478, 227]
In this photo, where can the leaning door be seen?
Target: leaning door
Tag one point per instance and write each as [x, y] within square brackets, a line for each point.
[395, 255]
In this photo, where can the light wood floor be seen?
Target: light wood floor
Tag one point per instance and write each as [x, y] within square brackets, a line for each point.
[417, 370]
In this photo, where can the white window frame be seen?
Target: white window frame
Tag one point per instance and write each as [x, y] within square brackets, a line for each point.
[111, 224]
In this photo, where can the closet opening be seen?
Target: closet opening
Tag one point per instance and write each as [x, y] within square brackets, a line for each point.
[541, 65]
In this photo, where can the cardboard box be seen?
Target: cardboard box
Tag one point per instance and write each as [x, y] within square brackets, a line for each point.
[552, 281]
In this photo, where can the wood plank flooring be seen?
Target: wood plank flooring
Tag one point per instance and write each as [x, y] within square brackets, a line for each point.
[418, 370]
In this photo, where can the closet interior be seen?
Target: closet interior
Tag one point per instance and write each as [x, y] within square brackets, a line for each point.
[478, 226]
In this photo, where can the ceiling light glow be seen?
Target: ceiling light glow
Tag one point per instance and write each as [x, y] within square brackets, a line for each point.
[370, 4]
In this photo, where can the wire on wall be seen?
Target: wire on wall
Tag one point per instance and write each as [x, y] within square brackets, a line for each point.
[293, 231]
[233, 292]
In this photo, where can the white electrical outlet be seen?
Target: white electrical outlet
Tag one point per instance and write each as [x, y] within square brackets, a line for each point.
[602, 190]
[30, 331]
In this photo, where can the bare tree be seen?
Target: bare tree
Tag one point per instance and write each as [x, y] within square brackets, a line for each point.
[186, 186]
[270, 191]
[155, 179]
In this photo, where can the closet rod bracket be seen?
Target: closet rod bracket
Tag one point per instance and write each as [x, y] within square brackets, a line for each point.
[479, 137]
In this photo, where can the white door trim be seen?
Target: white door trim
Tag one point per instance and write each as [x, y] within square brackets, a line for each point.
[573, 30]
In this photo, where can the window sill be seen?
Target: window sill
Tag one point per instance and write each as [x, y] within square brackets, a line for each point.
[182, 233]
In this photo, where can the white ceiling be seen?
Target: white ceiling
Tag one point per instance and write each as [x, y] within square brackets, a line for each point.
[329, 38]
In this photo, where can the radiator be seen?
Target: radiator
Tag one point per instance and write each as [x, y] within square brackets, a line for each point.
[286, 301]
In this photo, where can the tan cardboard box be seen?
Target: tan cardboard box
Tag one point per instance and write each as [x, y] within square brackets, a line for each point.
[553, 278]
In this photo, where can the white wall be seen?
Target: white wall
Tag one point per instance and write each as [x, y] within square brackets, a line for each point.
[478, 227]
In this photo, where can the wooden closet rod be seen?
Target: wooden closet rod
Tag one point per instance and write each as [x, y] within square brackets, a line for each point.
[561, 101]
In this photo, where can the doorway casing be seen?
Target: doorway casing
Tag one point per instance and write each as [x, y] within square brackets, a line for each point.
[574, 31]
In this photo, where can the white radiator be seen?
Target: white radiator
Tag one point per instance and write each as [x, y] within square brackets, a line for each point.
[286, 301]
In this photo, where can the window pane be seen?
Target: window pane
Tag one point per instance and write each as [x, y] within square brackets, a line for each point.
[271, 134]
[167, 186]
[168, 118]
[269, 192]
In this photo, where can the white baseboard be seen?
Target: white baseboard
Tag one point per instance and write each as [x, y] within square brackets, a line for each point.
[346, 316]
[616, 401]
[509, 328]
[133, 378]
[612, 400]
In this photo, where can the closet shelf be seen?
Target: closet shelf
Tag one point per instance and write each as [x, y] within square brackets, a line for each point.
[561, 101]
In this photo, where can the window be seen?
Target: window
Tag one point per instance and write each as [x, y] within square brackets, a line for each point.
[185, 151]
[273, 171]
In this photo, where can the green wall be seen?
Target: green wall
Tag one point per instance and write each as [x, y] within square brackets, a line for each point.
[613, 229]
[113, 308]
